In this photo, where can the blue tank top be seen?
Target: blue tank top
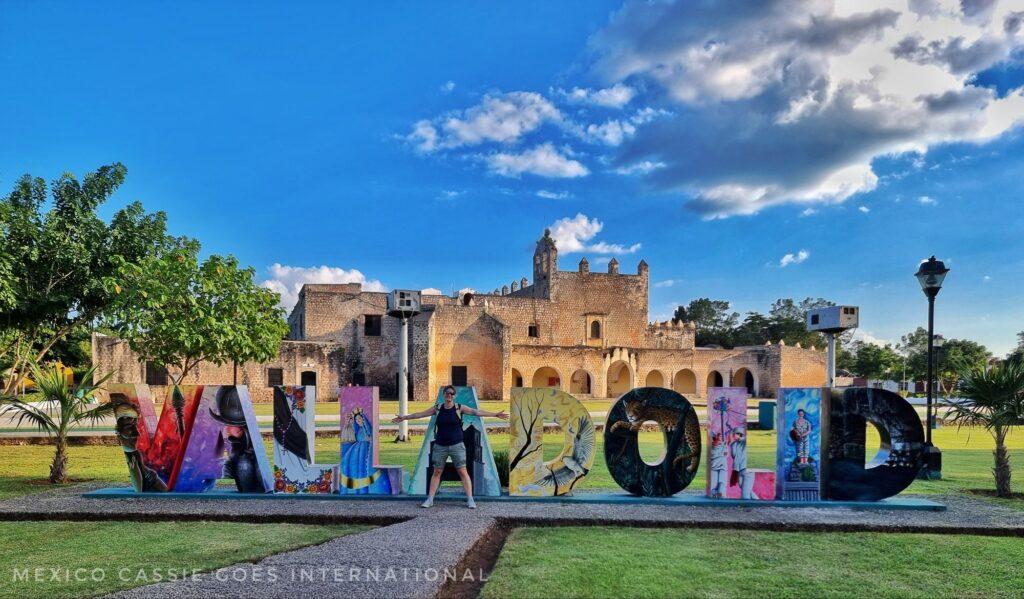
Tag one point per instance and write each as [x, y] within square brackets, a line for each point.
[448, 426]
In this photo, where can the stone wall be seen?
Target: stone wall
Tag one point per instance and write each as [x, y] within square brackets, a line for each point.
[326, 360]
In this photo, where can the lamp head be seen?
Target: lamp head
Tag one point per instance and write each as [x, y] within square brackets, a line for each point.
[930, 276]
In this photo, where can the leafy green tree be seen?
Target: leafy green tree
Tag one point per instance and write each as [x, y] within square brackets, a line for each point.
[1018, 353]
[715, 323]
[874, 361]
[994, 398]
[785, 321]
[178, 312]
[914, 347]
[55, 256]
[61, 407]
[955, 356]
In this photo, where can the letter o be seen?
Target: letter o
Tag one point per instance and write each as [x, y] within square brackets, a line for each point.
[677, 419]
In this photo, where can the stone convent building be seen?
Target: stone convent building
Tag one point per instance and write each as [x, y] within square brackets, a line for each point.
[582, 331]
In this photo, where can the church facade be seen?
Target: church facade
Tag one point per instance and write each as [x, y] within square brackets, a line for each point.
[585, 332]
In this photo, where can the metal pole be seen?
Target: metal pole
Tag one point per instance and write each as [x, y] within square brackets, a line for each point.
[830, 363]
[931, 363]
[403, 378]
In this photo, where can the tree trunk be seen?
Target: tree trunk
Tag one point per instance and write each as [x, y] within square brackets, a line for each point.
[1002, 469]
[59, 467]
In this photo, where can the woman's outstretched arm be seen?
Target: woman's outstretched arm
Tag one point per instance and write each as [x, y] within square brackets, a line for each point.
[428, 412]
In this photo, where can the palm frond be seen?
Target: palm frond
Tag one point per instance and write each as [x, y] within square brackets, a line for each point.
[994, 397]
[21, 411]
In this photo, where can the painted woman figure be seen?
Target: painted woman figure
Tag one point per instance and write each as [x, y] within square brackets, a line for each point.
[358, 476]
[801, 436]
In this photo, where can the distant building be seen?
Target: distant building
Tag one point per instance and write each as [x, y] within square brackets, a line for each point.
[585, 332]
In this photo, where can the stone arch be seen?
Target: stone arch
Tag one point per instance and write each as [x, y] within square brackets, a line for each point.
[655, 379]
[619, 378]
[547, 376]
[517, 378]
[715, 379]
[745, 378]
[685, 381]
[581, 383]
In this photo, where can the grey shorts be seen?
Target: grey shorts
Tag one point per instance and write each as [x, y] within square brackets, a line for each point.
[440, 454]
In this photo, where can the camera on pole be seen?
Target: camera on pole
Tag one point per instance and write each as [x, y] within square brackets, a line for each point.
[403, 304]
[832, 320]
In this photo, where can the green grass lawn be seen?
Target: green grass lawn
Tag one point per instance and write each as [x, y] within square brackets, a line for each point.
[129, 554]
[547, 562]
[967, 461]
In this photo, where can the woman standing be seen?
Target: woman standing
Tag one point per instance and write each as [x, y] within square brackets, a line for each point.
[448, 441]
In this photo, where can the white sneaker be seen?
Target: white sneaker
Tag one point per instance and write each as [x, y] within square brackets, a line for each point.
[471, 504]
[428, 503]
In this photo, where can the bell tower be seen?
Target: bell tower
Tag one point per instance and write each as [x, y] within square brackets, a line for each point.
[545, 265]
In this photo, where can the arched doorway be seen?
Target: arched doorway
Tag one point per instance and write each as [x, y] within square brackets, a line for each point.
[744, 378]
[546, 377]
[685, 382]
[517, 378]
[655, 379]
[579, 383]
[715, 379]
[620, 379]
[307, 378]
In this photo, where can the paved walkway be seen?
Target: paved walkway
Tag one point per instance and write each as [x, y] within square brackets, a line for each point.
[409, 554]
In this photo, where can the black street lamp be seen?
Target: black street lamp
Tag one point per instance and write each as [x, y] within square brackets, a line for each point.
[930, 275]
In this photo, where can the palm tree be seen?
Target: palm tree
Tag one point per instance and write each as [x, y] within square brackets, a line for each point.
[62, 406]
[994, 398]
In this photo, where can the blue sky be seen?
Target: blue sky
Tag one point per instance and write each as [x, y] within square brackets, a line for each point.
[415, 146]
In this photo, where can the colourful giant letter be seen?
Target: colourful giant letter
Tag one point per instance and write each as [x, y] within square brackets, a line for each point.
[295, 467]
[898, 461]
[361, 474]
[479, 459]
[679, 423]
[529, 473]
[798, 423]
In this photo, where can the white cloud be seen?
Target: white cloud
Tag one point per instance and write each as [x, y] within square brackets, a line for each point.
[866, 337]
[612, 132]
[543, 160]
[615, 96]
[927, 200]
[553, 195]
[791, 100]
[448, 87]
[643, 167]
[809, 212]
[451, 194]
[986, 279]
[576, 234]
[863, 209]
[665, 283]
[797, 258]
[288, 280]
[431, 291]
[501, 118]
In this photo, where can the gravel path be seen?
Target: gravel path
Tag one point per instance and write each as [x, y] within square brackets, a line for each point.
[410, 559]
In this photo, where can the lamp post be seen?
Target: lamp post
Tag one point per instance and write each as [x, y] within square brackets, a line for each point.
[930, 276]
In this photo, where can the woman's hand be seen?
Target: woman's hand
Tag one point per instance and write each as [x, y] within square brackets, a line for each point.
[397, 419]
[502, 415]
